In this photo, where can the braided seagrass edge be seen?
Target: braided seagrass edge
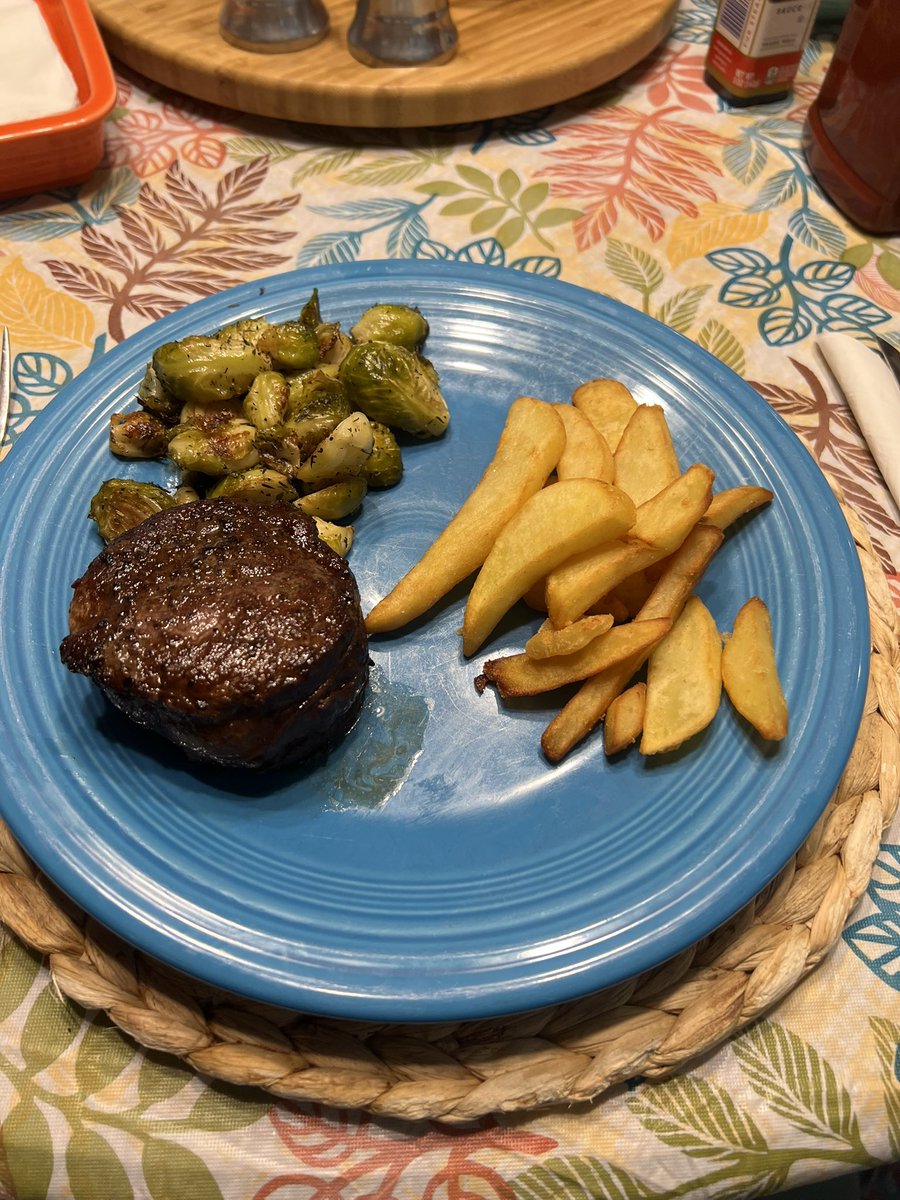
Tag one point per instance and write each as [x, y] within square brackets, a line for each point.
[455, 1072]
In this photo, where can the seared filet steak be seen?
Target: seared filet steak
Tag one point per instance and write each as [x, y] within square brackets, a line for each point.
[227, 627]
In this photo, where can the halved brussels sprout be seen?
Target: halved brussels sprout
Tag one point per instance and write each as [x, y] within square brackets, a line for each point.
[398, 324]
[334, 501]
[384, 466]
[259, 485]
[338, 537]
[266, 402]
[211, 416]
[248, 330]
[120, 504]
[138, 434]
[393, 385]
[157, 399]
[343, 453]
[227, 448]
[207, 369]
[290, 346]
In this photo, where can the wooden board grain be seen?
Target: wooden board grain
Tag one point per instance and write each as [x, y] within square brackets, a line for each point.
[514, 55]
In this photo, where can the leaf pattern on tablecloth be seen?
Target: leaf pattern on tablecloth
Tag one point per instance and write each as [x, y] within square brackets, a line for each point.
[886, 1035]
[705, 1123]
[620, 159]
[41, 315]
[176, 244]
[461, 1162]
[874, 937]
[150, 141]
[85, 1095]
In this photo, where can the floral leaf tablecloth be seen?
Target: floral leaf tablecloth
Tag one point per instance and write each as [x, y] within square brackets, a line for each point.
[652, 191]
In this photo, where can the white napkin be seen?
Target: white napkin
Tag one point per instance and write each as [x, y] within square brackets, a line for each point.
[874, 398]
[34, 78]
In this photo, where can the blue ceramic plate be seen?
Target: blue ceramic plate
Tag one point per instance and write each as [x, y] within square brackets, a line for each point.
[434, 867]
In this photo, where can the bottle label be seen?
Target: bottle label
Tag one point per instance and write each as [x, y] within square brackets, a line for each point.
[757, 44]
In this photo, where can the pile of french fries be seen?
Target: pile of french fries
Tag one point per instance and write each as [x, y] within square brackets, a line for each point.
[585, 513]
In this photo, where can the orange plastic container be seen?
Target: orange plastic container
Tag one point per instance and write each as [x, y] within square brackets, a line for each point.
[50, 152]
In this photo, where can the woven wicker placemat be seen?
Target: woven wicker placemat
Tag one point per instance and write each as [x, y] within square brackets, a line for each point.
[648, 1026]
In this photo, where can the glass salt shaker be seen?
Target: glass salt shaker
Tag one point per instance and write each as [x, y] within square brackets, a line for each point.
[273, 26]
[402, 33]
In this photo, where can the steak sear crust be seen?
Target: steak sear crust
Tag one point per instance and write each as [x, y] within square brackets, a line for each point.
[227, 627]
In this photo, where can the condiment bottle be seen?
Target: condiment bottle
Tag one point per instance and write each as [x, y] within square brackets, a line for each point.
[756, 47]
[852, 133]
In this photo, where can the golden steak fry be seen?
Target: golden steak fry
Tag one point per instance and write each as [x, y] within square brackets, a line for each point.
[684, 680]
[608, 405]
[519, 675]
[750, 673]
[645, 458]
[532, 440]
[564, 519]
[624, 719]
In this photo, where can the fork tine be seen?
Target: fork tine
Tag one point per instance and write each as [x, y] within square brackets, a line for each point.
[4, 383]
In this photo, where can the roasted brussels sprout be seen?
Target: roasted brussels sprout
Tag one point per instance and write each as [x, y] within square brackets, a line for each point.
[290, 346]
[120, 504]
[334, 345]
[207, 369]
[343, 453]
[398, 324]
[384, 466]
[138, 435]
[259, 485]
[211, 416]
[266, 402]
[317, 403]
[338, 537]
[221, 451]
[334, 501]
[393, 385]
[157, 399]
[247, 330]
[315, 392]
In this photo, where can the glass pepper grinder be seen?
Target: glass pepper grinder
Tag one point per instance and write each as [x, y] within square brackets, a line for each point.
[402, 33]
[273, 26]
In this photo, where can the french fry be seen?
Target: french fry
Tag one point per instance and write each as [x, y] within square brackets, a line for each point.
[661, 524]
[724, 509]
[532, 440]
[645, 459]
[586, 455]
[683, 572]
[549, 641]
[684, 681]
[582, 580]
[624, 719]
[750, 672]
[666, 519]
[558, 521]
[589, 704]
[520, 675]
[608, 405]
[586, 708]
[727, 506]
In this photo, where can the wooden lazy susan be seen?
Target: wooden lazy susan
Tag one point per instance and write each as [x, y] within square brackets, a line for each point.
[513, 55]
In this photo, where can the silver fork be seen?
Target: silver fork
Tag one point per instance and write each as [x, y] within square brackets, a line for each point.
[5, 386]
